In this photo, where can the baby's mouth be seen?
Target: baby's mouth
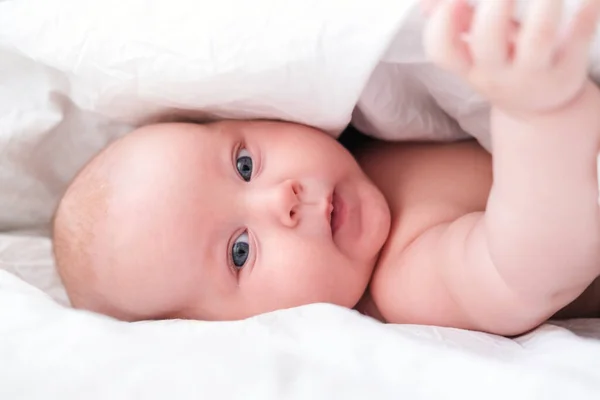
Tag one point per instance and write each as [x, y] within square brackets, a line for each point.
[331, 211]
[335, 213]
[338, 213]
[332, 219]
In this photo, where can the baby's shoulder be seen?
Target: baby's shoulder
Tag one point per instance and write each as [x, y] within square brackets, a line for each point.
[400, 168]
[426, 185]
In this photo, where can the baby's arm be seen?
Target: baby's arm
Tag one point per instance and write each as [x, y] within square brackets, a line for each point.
[540, 233]
[537, 246]
[541, 224]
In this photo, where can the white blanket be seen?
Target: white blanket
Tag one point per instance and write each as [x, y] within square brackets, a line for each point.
[75, 74]
[313, 352]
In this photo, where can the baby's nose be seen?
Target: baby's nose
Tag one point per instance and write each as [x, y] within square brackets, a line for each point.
[283, 202]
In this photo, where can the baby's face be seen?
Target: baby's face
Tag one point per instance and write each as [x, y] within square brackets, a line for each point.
[233, 219]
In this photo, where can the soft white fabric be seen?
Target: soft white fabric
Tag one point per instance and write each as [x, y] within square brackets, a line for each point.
[405, 83]
[75, 74]
[314, 352]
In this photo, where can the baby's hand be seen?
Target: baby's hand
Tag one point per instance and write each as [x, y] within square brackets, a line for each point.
[531, 68]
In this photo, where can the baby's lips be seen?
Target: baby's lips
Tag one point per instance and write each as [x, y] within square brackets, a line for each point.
[329, 208]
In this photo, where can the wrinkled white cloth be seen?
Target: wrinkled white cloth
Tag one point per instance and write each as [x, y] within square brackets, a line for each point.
[320, 351]
[76, 74]
[408, 97]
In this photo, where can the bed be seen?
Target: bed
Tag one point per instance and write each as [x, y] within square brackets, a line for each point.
[75, 75]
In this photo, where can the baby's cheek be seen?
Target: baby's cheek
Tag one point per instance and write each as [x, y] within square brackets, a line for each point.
[306, 269]
[332, 278]
[292, 281]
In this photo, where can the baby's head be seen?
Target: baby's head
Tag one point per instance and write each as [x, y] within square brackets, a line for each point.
[218, 222]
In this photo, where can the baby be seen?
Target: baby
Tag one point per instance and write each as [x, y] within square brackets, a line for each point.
[232, 219]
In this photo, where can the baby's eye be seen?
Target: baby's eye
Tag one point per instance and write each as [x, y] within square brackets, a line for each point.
[240, 251]
[243, 163]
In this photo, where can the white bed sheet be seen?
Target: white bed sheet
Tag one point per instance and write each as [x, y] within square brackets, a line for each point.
[315, 352]
[76, 74]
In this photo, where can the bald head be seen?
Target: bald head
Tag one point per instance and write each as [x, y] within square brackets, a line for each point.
[106, 231]
[76, 227]
[217, 222]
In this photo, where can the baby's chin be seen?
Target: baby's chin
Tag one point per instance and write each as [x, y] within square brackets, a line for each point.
[379, 222]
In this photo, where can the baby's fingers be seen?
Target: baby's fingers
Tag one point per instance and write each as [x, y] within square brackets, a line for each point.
[573, 56]
[490, 35]
[538, 41]
[443, 40]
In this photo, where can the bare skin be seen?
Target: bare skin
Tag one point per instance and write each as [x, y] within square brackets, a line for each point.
[217, 222]
[501, 256]
[233, 219]
[420, 183]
